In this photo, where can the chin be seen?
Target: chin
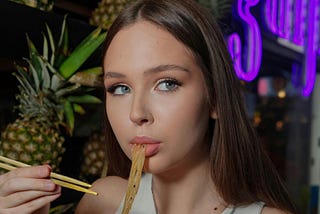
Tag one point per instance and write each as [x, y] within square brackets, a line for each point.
[151, 166]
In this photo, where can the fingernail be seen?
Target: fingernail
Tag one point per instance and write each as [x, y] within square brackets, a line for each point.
[45, 171]
[49, 167]
[49, 185]
[58, 189]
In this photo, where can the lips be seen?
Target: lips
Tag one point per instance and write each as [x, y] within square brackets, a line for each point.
[152, 146]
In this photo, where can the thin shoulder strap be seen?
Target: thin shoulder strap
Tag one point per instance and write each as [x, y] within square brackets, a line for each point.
[254, 208]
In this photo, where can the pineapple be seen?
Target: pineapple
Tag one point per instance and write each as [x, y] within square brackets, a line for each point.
[32, 141]
[94, 163]
[106, 12]
[48, 100]
[45, 5]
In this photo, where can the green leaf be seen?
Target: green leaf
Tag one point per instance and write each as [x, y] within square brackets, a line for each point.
[23, 82]
[52, 45]
[95, 70]
[94, 34]
[46, 81]
[35, 75]
[31, 46]
[22, 72]
[63, 31]
[63, 44]
[33, 55]
[80, 55]
[69, 116]
[67, 90]
[55, 83]
[87, 98]
[45, 48]
[90, 77]
[57, 80]
[78, 109]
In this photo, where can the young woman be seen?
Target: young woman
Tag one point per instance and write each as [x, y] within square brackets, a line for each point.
[170, 85]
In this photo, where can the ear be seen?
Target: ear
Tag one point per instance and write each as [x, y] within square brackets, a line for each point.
[213, 114]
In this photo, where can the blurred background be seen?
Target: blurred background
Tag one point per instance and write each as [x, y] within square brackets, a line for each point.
[275, 45]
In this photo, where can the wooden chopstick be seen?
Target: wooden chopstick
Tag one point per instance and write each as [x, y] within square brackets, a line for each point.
[56, 178]
[53, 175]
[56, 181]
[73, 186]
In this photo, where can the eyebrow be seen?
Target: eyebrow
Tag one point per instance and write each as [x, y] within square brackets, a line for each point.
[157, 69]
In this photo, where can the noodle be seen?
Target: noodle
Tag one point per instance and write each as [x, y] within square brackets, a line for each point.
[138, 156]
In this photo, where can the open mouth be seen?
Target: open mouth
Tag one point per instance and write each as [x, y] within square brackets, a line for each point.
[151, 146]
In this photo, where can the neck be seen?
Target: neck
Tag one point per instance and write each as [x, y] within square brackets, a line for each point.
[186, 191]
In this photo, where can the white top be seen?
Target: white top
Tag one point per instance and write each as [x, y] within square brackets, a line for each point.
[144, 204]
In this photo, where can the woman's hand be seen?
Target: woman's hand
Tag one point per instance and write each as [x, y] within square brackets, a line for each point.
[27, 190]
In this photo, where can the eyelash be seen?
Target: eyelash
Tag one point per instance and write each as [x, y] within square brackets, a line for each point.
[177, 83]
[170, 80]
[113, 87]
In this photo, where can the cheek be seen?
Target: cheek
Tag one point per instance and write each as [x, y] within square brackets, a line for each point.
[118, 120]
[120, 132]
[184, 117]
[117, 109]
[115, 115]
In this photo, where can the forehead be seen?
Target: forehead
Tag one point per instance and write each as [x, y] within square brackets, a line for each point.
[147, 42]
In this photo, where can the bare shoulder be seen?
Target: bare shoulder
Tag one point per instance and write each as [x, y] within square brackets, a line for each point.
[272, 210]
[111, 191]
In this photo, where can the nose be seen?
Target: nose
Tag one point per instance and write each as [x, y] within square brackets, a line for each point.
[140, 112]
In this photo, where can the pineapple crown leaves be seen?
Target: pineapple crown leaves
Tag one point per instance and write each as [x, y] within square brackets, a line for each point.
[45, 87]
[81, 53]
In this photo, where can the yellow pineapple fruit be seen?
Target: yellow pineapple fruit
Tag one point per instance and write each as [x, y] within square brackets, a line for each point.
[47, 100]
[45, 5]
[94, 164]
[106, 12]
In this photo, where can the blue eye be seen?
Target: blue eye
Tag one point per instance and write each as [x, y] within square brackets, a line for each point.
[168, 85]
[118, 90]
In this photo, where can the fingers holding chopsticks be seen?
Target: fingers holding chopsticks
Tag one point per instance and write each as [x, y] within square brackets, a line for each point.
[31, 178]
[25, 190]
[61, 180]
[27, 172]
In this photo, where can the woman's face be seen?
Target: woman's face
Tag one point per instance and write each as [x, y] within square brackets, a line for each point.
[156, 96]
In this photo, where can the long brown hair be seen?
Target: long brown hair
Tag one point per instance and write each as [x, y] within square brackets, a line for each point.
[240, 169]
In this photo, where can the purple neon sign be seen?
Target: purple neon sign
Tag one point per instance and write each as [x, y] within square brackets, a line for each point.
[310, 51]
[287, 19]
[299, 28]
[278, 16]
[254, 45]
[305, 17]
